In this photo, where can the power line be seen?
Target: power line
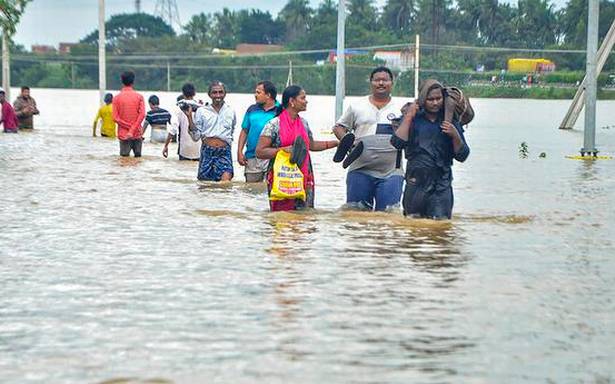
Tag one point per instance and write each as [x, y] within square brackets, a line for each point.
[192, 56]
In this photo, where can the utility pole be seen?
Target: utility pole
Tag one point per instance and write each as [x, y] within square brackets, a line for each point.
[579, 98]
[589, 135]
[138, 6]
[289, 78]
[417, 44]
[167, 10]
[168, 76]
[72, 74]
[340, 75]
[102, 68]
[6, 65]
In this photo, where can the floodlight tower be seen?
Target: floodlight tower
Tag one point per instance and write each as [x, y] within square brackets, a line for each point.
[167, 10]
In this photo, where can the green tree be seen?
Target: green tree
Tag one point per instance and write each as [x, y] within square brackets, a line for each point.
[10, 13]
[363, 13]
[226, 29]
[131, 26]
[400, 16]
[536, 23]
[434, 17]
[199, 28]
[572, 21]
[296, 17]
[323, 31]
[258, 27]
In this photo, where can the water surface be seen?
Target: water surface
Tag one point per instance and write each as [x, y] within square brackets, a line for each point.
[130, 270]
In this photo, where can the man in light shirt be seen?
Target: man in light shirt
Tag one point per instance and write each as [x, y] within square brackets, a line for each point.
[374, 180]
[214, 125]
[187, 148]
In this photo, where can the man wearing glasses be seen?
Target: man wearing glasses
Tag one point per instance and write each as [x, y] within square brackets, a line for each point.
[375, 179]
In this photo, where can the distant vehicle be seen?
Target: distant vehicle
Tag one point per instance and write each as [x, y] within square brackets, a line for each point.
[530, 65]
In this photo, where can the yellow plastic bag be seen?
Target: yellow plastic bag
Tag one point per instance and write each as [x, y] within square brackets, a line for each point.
[287, 179]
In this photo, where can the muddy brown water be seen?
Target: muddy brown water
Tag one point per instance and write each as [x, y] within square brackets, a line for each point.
[129, 270]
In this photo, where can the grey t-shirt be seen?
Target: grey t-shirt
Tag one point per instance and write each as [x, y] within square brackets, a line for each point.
[372, 127]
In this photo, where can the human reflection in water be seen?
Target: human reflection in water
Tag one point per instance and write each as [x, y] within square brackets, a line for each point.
[291, 237]
[125, 161]
[406, 280]
[430, 246]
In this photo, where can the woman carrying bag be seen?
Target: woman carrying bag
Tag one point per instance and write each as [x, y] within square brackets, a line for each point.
[286, 141]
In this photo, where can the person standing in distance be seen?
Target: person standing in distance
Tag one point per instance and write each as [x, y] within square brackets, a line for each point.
[128, 113]
[254, 120]
[25, 109]
[187, 149]
[214, 125]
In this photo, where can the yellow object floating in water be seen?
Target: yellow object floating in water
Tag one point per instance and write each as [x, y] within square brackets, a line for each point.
[579, 157]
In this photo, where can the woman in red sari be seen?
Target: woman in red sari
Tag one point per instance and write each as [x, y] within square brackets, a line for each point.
[279, 134]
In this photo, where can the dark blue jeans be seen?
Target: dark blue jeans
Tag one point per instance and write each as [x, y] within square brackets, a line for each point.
[364, 190]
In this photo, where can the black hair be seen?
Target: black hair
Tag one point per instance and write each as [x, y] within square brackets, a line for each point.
[269, 88]
[290, 92]
[380, 69]
[108, 98]
[180, 97]
[25, 88]
[214, 84]
[188, 90]
[128, 78]
[154, 100]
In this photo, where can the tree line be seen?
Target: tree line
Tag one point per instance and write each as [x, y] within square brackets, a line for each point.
[153, 46]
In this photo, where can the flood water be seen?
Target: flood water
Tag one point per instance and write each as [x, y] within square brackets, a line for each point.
[129, 270]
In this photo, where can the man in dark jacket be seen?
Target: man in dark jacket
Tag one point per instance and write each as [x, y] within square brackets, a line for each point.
[431, 144]
[25, 109]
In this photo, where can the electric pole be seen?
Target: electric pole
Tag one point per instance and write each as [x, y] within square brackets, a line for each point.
[167, 10]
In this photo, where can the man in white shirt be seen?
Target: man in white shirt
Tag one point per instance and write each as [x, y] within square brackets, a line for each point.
[187, 148]
[214, 125]
[374, 179]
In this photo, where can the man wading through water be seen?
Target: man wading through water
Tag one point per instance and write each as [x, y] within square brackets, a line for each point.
[128, 112]
[255, 118]
[374, 180]
[431, 144]
[214, 124]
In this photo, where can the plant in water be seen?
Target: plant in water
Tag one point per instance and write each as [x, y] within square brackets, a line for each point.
[523, 150]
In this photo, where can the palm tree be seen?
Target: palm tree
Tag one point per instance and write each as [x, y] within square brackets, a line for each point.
[363, 13]
[199, 29]
[536, 23]
[10, 13]
[399, 15]
[297, 16]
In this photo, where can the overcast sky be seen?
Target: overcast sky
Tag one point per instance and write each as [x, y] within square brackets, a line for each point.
[52, 21]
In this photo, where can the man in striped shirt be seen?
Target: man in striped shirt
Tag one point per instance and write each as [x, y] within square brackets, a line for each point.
[158, 118]
[128, 113]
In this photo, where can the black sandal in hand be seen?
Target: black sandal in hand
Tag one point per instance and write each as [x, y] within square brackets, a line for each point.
[343, 147]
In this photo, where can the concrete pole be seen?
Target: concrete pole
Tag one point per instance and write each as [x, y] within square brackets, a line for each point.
[416, 67]
[591, 88]
[340, 76]
[72, 74]
[168, 76]
[6, 66]
[102, 67]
